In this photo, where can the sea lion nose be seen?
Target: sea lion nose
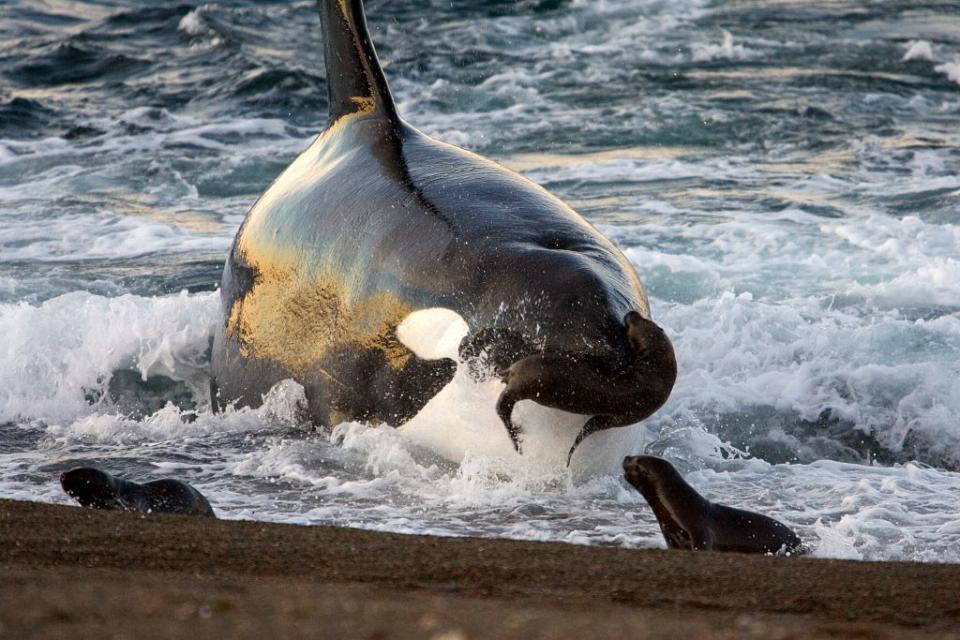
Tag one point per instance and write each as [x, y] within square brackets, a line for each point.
[628, 462]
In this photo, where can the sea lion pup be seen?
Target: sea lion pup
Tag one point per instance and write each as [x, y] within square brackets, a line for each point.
[690, 521]
[376, 221]
[98, 489]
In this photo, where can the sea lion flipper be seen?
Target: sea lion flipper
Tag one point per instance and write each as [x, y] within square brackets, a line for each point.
[355, 80]
[505, 404]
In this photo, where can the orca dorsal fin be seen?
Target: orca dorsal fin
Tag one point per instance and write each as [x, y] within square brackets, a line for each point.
[355, 80]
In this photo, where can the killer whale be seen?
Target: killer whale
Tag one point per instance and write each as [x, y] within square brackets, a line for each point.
[376, 220]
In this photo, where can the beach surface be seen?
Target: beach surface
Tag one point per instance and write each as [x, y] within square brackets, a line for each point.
[67, 572]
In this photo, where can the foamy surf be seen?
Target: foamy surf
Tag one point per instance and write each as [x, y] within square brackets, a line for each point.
[450, 471]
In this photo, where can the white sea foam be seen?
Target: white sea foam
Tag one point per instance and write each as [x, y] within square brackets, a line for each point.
[376, 478]
[58, 353]
[737, 352]
[950, 69]
[726, 50]
[104, 234]
[451, 471]
[192, 24]
[156, 129]
[283, 405]
[918, 50]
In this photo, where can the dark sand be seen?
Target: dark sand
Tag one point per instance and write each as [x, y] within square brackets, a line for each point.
[67, 572]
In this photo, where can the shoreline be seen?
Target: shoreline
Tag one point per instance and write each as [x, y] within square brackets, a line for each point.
[164, 576]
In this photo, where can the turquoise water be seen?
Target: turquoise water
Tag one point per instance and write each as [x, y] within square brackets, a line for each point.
[785, 176]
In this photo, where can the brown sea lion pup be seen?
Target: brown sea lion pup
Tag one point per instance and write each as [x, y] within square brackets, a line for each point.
[690, 521]
[98, 489]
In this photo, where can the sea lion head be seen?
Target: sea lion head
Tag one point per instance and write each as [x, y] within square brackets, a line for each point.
[91, 487]
[647, 473]
[615, 391]
[646, 338]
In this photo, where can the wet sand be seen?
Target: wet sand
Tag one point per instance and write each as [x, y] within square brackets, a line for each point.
[67, 572]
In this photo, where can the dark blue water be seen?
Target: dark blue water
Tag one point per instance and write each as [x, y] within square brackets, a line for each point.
[784, 175]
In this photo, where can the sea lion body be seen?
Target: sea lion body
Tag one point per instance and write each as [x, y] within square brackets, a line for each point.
[98, 489]
[376, 220]
[690, 521]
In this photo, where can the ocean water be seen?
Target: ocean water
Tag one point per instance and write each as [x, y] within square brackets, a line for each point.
[785, 176]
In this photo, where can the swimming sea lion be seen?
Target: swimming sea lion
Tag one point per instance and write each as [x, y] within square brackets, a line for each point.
[376, 220]
[98, 489]
[690, 521]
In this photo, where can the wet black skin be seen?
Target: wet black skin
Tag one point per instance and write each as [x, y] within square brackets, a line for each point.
[690, 521]
[391, 214]
[98, 489]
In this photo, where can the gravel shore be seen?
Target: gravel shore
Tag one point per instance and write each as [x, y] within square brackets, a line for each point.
[67, 572]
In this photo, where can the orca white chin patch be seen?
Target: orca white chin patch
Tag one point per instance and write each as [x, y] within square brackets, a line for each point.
[433, 333]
